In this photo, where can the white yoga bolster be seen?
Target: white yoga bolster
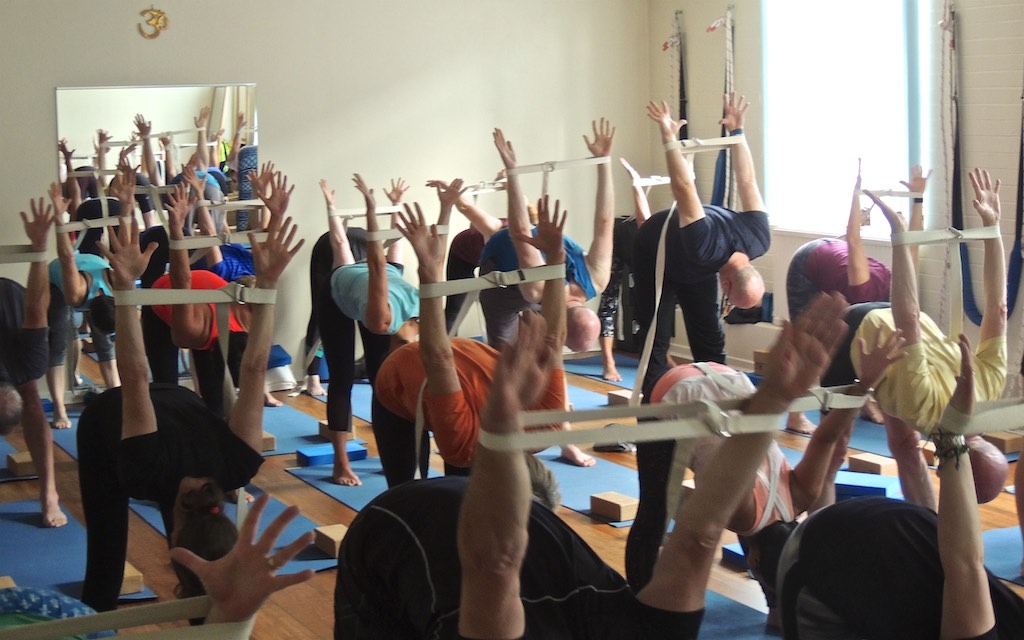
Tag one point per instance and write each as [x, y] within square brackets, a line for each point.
[492, 280]
[14, 253]
[696, 145]
[396, 234]
[155, 613]
[944, 236]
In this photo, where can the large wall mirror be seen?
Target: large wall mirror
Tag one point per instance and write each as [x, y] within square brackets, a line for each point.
[81, 111]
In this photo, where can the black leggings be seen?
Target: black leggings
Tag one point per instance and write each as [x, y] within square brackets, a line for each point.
[338, 337]
[396, 445]
[320, 263]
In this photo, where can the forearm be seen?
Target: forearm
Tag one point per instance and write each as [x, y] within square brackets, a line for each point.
[341, 250]
[809, 476]
[486, 224]
[641, 206]
[690, 208]
[37, 296]
[916, 224]
[170, 162]
[149, 160]
[73, 281]
[994, 277]
[857, 269]
[139, 417]
[378, 310]
[552, 307]
[202, 150]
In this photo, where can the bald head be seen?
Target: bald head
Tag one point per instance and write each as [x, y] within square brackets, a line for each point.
[10, 408]
[582, 327]
[747, 287]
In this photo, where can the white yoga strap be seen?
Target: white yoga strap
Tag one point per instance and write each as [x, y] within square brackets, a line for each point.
[14, 253]
[359, 213]
[486, 186]
[547, 168]
[893, 193]
[659, 282]
[492, 280]
[230, 205]
[696, 145]
[156, 613]
[396, 234]
[997, 415]
[201, 242]
[93, 223]
[92, 173]
[945, 236]
[172, 133]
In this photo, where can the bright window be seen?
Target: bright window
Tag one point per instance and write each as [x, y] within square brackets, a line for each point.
[841, 83]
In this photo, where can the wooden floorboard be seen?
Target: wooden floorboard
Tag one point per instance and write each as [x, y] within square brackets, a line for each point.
[307, 611]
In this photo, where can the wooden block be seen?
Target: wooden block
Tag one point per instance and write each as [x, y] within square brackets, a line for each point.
[620, 397]
[328, 538]
[614, 506]
[20, 464]
[760, 360]
[6, 582]
[269, 441]
[325, 432]
[132, 582]
[928, 449]
[872, 463]
[1005, 441]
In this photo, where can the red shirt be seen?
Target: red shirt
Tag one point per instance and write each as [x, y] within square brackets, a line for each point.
[201, 280]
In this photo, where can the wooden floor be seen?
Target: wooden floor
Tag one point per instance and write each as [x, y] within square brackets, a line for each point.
[306, 611]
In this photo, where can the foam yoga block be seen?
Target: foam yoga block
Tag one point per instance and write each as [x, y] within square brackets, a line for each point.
[328, 538]
[132, 582]
[319, 454]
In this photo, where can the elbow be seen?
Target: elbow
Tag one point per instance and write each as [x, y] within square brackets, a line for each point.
[496, 556]
[436, 357]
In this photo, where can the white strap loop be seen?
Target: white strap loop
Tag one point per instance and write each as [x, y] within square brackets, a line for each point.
[230, 205]
[893, 193]
[396, 234]
[997, 415]
[201, 242]
[696, 145]
[492, 280]
[15, 253]
[556, 165]
[945, 236]
[93, 223]
[361, 213]
[231, 293]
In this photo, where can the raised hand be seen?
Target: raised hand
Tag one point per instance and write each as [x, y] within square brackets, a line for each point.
[203, 118]
[178, 204]
[276, 194]
[804, 349]
[261, 180]
[448, 194]
[62, 147]
[918, 180]
[426, 243]
[549, 238]
[328, 192]
[270, 257]
[122, 186]
[734, 110]
[239, 121]
[368, 198]
[874, 363]
[38, 228]
[662, 115]
[122, 158]
[127, 261]
[240, 582]
[102, 137]
[143, 126]
[896, 220]
[604, 133]
[60, 203]
[986, 197]
[191, 178]
[505, 150]
[397, 190]
[520, 375]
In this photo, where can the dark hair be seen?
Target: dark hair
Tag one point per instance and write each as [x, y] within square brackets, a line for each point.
[102, 313]
[206, 532]
[766, 545]
[143, 199]
[10, 408]
[87, 185]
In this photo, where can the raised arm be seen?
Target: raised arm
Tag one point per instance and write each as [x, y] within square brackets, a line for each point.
[341, 250]
[734, 109]
[191, 324]
[966, 600]
[986, 203]
[74, 284]
[202, 121]
[485, 224]
[684, 190]
[435, 347]
[550, 229]
[518, 215]
[918, 183]
[599, 257]
[378, 309]
[236, 141]
[396, 249]
[492, 532]
[642, 207]
[803, 351]
[102, 138]
[270, 258]
[73, 189]
[857, 270]
[37, 291]
[171, 168]
[127, 264]
[145, 127]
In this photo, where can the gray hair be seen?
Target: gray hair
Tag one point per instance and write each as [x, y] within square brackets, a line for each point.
[10, 408]
[543, 483]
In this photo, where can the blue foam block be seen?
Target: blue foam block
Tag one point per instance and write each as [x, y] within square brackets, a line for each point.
[732, 555]
[320, 454]
[850, 484]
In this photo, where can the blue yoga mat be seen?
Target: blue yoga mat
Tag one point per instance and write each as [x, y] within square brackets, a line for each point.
[594, 368]
[579, 483]
[369, 471]
[66, 439]
[292, 428]
[5, 475]
[725, 618]
[309, 558]
[1003, 553]
[583, 399]
[362, 397]
[44, 557]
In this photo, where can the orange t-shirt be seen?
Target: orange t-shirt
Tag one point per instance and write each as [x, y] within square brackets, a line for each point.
[455, 417]
[201, 280]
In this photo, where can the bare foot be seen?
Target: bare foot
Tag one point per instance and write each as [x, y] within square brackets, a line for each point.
[574, 456]
[798, 423]
[345, 477]
[61, 422]
[53, 517]
[611, 374]
[316, 391]
[872, 412]
[270, 401]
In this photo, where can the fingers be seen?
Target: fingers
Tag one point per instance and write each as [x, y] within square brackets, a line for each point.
[274, 529]
[285, 581]
[289, 551]
[247, 532]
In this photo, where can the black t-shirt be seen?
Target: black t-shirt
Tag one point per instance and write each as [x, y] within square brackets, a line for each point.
[399, 567]
[24, 353]
[189, 441]
[700, 249]
[875, 563]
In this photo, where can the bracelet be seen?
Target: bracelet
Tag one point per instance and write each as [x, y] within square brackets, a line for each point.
[949, 446]
[860, 385]
[918, 200]
[736, 132]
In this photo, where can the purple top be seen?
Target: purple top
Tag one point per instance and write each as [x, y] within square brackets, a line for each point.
[826, 267]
